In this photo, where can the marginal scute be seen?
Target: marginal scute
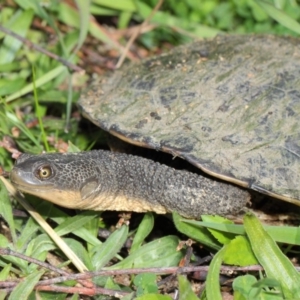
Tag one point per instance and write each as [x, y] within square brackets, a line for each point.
[228, 105]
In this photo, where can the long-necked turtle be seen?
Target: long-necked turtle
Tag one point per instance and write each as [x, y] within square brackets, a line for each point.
[230, 106]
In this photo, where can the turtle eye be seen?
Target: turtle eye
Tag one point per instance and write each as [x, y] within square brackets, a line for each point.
[44, 172]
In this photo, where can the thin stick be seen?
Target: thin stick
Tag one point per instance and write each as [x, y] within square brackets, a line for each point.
[40, 220]
[31, 45]
[137, 32]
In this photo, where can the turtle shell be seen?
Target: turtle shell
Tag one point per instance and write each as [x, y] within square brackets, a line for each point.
[229, 105]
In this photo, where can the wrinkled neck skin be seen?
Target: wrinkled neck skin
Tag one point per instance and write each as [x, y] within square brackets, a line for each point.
[102, 180]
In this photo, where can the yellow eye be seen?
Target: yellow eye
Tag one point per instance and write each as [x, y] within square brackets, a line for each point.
[44, 172]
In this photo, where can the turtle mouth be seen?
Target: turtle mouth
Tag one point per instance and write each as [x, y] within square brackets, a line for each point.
[29, 189]
[26, 183]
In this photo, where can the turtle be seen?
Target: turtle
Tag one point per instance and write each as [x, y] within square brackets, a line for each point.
[229, 106]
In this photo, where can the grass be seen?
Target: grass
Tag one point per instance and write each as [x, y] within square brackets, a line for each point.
[38, 112]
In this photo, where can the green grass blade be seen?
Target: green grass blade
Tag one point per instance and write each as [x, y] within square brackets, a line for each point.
[212, 282]
[109, 248]
[39, 114]
[143, 231]
[11, 117]
[27, 233]
[84, 17]
[277, 266]
[280, 16]
[60, 217]
[201, 235]
[80, 250]
[185, 289]
[39, 82]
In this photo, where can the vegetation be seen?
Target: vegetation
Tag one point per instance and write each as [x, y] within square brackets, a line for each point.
[38, 113]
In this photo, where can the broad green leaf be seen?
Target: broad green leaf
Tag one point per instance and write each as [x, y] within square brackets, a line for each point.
[39, 82]
[185, 289]
[130, 296]
[143, 231]
[72, 224]
[6, 15]
[81, 252]
[55, 97]
[3, 241]
[281, 234]
[5, 272]
[163, 18]
[124, 5]
[20, 25]
[153, 297]
[145, 283]
[74, 297]
[4, 259]
[25, 287]
[71, 149]
[267, 289]
[124, 19]
[38, 7]
[70, 16]
[276, 265]
[71, 42]
[242, 286]
[3, 295]
[47, 209]
[8, 86]
[258, 12]
[212, 282]
[99, 34]
[239, 253]
[104, 253]
[6, 210]
[280, 16]
[159, 253]
[197, 233]
[27, 233]
[97, 10]
[28, 4]
[40, 246]
[13, 66]
[110, 284]
[223, 237]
